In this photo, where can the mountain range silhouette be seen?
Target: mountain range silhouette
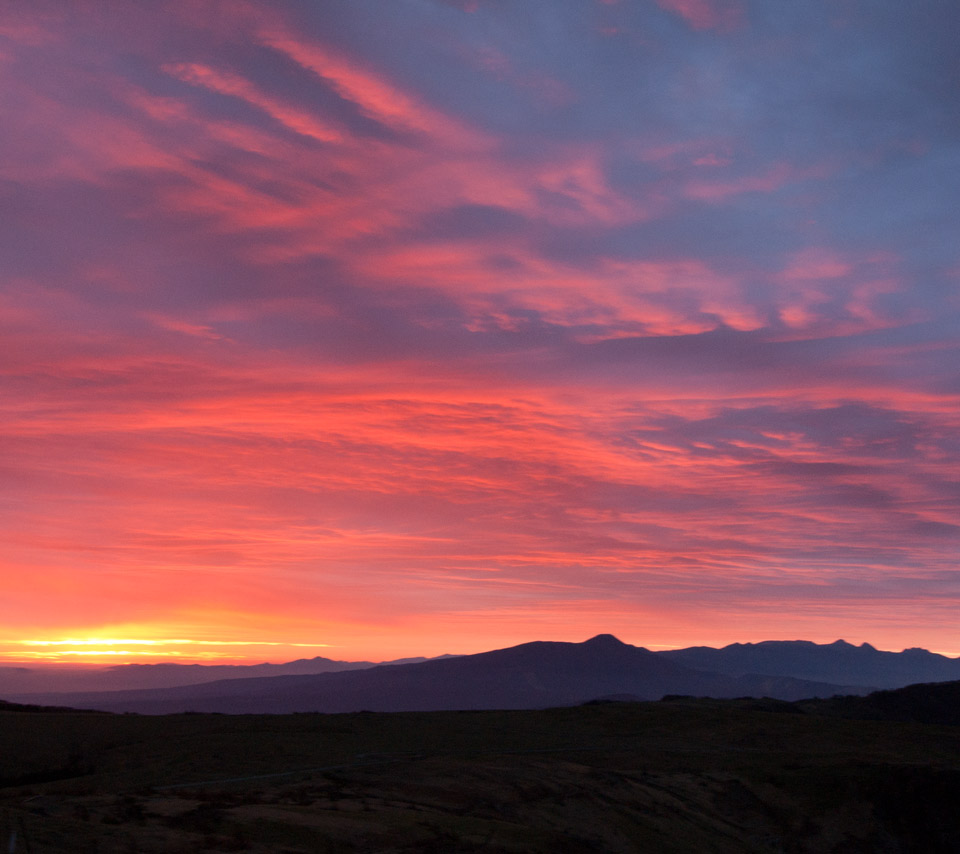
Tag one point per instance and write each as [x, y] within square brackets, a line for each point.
[532, 675]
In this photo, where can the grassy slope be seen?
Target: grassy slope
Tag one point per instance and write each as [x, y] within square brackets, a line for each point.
[678, 776]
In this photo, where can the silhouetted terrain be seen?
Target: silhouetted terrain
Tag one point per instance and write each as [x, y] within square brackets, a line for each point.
[930, 703]
[780, 662]
[838, 662]
[33, 707]
[672, 777]
[529, 676]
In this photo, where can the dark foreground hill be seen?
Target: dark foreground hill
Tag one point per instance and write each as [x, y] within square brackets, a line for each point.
[529, 676]
[46, 710]
[673, 777]
[931, 703]
[839, 662]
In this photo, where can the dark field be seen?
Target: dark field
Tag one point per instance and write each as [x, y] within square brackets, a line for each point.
[673, 776]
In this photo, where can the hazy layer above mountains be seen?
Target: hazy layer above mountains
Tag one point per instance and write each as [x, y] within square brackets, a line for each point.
[122, 677]
[533, 675]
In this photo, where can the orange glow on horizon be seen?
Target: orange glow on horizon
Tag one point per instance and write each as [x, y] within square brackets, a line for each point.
[133, 650]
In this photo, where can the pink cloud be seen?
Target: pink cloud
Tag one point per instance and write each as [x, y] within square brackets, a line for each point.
[706, 14]
[297, 120]
[546, 88]
[769, 181]
[376, 97]
[816, 264]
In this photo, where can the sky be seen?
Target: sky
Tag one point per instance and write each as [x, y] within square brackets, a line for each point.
[371, 329]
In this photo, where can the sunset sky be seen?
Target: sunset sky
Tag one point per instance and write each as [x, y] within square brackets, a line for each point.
[377, 328]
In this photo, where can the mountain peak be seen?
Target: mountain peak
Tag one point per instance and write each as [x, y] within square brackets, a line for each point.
[605, 640]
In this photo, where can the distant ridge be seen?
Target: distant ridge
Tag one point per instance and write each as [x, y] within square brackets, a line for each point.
[531, 675]
[838, 662]
[121, 677]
